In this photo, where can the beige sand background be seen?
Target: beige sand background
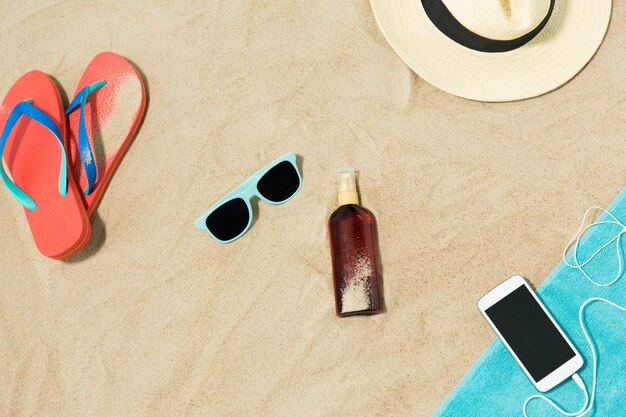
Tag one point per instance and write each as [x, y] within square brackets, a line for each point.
[153, 318]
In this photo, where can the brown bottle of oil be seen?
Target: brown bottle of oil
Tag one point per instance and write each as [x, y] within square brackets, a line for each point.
[353, 252]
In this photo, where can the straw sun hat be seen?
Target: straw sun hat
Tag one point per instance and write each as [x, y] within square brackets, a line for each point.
[494, 50]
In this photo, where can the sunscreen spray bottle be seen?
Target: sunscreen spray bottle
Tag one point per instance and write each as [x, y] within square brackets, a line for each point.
[353, 252]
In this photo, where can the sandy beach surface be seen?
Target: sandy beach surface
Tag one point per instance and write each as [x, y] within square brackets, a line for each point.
[154, 318]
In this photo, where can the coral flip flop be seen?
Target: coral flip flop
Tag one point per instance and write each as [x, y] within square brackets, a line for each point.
[103, 118]
[31, 143]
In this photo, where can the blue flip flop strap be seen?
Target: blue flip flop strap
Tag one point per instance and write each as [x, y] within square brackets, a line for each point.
[84, 147]
[26, 108]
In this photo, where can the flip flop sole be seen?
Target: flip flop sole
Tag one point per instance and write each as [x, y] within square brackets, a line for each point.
[59, 226]
[113, 114]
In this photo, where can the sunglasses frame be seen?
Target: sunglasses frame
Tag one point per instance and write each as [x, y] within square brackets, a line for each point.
[246, 190]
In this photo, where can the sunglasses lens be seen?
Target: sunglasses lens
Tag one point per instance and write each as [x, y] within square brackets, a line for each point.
[280, 182]
[229, 220]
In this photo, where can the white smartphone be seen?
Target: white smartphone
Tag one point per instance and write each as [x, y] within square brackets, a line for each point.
[530, 333]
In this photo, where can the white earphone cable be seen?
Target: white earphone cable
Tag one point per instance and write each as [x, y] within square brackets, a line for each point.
[556, 406]
[576, 241]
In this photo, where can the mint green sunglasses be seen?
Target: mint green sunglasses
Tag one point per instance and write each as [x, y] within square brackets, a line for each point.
[231, 217]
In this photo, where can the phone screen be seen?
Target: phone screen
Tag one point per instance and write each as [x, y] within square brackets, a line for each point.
[530, 333]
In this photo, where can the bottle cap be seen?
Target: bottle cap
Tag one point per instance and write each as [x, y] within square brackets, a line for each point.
[347, 187]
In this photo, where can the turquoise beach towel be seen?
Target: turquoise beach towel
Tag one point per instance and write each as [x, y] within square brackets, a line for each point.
[495, 385]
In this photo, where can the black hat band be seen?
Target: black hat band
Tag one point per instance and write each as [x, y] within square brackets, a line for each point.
[447, 24]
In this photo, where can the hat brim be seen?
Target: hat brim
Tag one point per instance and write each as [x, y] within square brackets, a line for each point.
[567, 43]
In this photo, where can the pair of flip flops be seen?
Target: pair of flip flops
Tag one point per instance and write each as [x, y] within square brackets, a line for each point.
[60, 161]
